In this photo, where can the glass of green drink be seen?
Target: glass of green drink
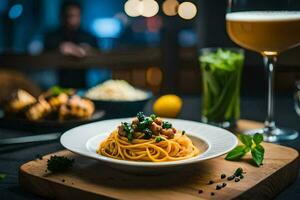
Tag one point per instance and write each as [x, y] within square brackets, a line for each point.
[221, 76]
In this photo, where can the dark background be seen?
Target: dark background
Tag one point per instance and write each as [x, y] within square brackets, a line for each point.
[23, 24]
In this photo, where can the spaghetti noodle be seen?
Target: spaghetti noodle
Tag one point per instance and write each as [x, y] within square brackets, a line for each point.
[164, 144]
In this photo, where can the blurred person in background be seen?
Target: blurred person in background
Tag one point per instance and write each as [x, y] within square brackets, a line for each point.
[71, 40]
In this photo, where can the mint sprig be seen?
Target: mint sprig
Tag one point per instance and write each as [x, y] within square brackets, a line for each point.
[250, 143]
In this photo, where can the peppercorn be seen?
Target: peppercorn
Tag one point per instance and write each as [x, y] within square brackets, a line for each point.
[236, 179]
[223, 176]
[212, 193]
[219, 186]
[200, 191]
[231, 177]
[224, 185]
[210, 182]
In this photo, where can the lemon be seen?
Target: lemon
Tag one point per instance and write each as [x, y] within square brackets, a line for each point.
[167, 106]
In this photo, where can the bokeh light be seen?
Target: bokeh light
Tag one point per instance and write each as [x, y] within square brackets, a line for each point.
[170, 7]
[122, 17]
[15, 11]
[149, 8]
[187, 10]
[139, 25]
[107, 27]
[154, 24]
[133, 8]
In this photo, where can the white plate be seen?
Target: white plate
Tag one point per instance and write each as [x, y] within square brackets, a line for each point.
[85, 139]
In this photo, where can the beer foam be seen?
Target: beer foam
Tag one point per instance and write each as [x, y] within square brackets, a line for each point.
[263, 16]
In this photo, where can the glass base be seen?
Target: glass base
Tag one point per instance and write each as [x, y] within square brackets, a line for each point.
[275, 135]
[224, 124]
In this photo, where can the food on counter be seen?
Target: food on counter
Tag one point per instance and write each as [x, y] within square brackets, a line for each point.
[55, 104]
[57, 101]
[19, 101]
[115, 90]
[76, 107]
[148, 138]
[167, 106]
[38, 110]
[59, 163]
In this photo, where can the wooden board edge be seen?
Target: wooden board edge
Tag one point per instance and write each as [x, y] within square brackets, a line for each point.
[54, 190]
[57, 190]
[289, 172]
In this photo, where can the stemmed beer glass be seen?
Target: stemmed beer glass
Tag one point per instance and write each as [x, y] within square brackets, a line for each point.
[268, 27]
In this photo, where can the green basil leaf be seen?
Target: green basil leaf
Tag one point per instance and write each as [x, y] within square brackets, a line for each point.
[247, 149]
[258, 138]
[246, 140]
[2, 177]
[258, 154]
[236, 153]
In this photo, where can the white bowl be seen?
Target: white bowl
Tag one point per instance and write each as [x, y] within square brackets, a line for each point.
[212, 141]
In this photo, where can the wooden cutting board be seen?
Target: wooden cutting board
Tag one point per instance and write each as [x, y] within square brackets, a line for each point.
[91, 179]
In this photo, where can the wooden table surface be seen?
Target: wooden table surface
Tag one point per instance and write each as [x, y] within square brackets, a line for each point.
[251, 108]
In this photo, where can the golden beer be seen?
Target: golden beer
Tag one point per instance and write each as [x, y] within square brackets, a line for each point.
[267, 32]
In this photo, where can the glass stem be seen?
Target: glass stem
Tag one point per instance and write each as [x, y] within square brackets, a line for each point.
[270, 62]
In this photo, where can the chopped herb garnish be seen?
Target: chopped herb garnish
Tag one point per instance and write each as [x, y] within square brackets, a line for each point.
[140, 116]
[128, 130]
[183, 132]
[167, 125]
[2, 177]
[148, 120]
[146, 123]
[252, 144]
[147, 133]
[238, 171]
[130, 137]
[56, 90]
[59, 163]
[153, 116]
[158, 139]
[142, 125]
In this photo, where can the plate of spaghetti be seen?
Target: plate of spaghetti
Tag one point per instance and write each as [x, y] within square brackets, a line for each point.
[146, 143]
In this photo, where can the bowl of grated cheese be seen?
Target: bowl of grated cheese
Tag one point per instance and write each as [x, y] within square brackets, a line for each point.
[118, 98]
